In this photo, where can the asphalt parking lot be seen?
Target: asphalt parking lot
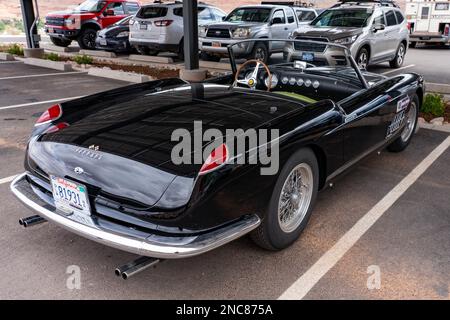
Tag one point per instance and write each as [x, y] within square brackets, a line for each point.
[408, 243]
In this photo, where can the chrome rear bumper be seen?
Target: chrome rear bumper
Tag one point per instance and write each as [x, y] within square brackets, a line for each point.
[150, 245]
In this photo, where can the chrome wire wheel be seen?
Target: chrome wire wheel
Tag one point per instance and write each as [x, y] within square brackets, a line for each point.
[411, 118]
[400, 55]
[295, 197]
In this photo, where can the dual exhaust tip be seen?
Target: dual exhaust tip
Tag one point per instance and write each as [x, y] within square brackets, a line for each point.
[125, 271]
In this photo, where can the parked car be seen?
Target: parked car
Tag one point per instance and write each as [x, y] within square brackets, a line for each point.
[102, 166]
[374, 31]
[82, 23]
[115, 37]
[159, 27]
[429, 22]
[248, 22]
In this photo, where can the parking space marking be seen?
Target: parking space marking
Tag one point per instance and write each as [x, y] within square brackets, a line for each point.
[7, 179]
[300, 288]
[6, 62]
[398, 69]
[38, 103]
[43, 75]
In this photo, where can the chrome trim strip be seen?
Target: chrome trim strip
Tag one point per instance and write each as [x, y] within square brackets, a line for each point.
[163, 247]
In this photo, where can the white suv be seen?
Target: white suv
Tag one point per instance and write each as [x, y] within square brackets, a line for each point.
[159, 27]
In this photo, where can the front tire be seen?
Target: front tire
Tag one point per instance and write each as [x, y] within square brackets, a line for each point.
[405, 137]
[209, 57]
[399, 57]
[260, 52]
[60, 42]
[86, 39]
[291, 203]
[362, 58]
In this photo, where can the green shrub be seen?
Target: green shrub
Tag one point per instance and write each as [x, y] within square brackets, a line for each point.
[52, 56]
[83, 59]
[15, 49]
[433, 104]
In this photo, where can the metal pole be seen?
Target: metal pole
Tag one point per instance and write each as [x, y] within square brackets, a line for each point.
[28, 19]
[190, 26]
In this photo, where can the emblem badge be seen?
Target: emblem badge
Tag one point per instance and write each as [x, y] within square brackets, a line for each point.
[78, 170]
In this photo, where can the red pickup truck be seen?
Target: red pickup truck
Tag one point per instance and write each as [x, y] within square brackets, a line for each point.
[82, 22]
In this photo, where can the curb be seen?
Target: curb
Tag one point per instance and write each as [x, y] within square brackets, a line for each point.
[442, 128]
[437, 88]
[49, 47]
[119, 75]
[56, 65]
[98, 53]
[6, 56]
[156, 59]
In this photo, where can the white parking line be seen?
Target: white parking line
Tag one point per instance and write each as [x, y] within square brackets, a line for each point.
[402, 68]
[42, 75]
[300, 288]
[38, 103]
[7, 179]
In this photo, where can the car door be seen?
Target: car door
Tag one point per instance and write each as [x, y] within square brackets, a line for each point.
[371, 119]
[278, 28]
[118, 13]
[379, 46]
[391, 32]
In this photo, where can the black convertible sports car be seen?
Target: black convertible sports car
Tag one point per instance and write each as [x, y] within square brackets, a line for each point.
[103, 166]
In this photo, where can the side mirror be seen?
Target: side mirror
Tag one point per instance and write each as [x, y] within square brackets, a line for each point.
[277, 20]
[377, 27]
[109, 12]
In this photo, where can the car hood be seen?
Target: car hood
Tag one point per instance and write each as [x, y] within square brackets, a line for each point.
[234, 25]
[330, 33]
[122, 139]
[69, 13]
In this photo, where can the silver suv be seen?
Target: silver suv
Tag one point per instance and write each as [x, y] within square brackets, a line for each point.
[159, 27]
[374, 31]
[248, 22]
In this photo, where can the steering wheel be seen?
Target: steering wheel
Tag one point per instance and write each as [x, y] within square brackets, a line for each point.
[253, 80]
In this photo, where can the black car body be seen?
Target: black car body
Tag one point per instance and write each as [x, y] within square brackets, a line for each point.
[118, 145]
[115, 37]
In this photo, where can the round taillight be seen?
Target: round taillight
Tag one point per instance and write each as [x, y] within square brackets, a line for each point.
[51, 114]
[216, 159]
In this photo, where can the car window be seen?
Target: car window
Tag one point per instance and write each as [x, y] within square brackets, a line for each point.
[131, 7]
[399, 16]
[203, 13]
[441, 6]
[390, 18]
[290, 16]
[117, 7]
[379, 19]
[425, 12]
[90, 6]
[217, 14]
[249, 15]
[305, 15]
[151, 12]
[279, 14]
[347, 18]
[125, 21]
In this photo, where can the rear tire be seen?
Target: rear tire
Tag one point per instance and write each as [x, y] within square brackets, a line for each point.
[146, 51]
[86, 39]
[209, 57]
[180, 53]
[399, 57]
[413, 44]
[408, 131]
[60, 42]
[291, 203]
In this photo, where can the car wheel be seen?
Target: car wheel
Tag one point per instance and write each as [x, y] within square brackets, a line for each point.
[399, 57]
[146, 51]
[86, 40]
[209, 57]
[406, 135]
[412, 44]
[362, 58]
[260, 52]
[291, 203]
[180, 53]
[60, 42]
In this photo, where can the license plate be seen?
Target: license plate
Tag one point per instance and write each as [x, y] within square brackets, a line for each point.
[425, 38]
[143, 27]
[216, 44]
[307, 56]
[103, 42]
[70, 196]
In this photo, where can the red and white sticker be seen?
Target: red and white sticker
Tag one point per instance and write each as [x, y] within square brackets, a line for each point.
[403, 104]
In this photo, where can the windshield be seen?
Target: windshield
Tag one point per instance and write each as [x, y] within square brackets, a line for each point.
[90, 6]
[123, 22]
[249, 15]
[351, 18]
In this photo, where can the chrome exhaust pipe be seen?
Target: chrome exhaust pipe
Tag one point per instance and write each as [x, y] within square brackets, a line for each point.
[135, 266]
[31, 221]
